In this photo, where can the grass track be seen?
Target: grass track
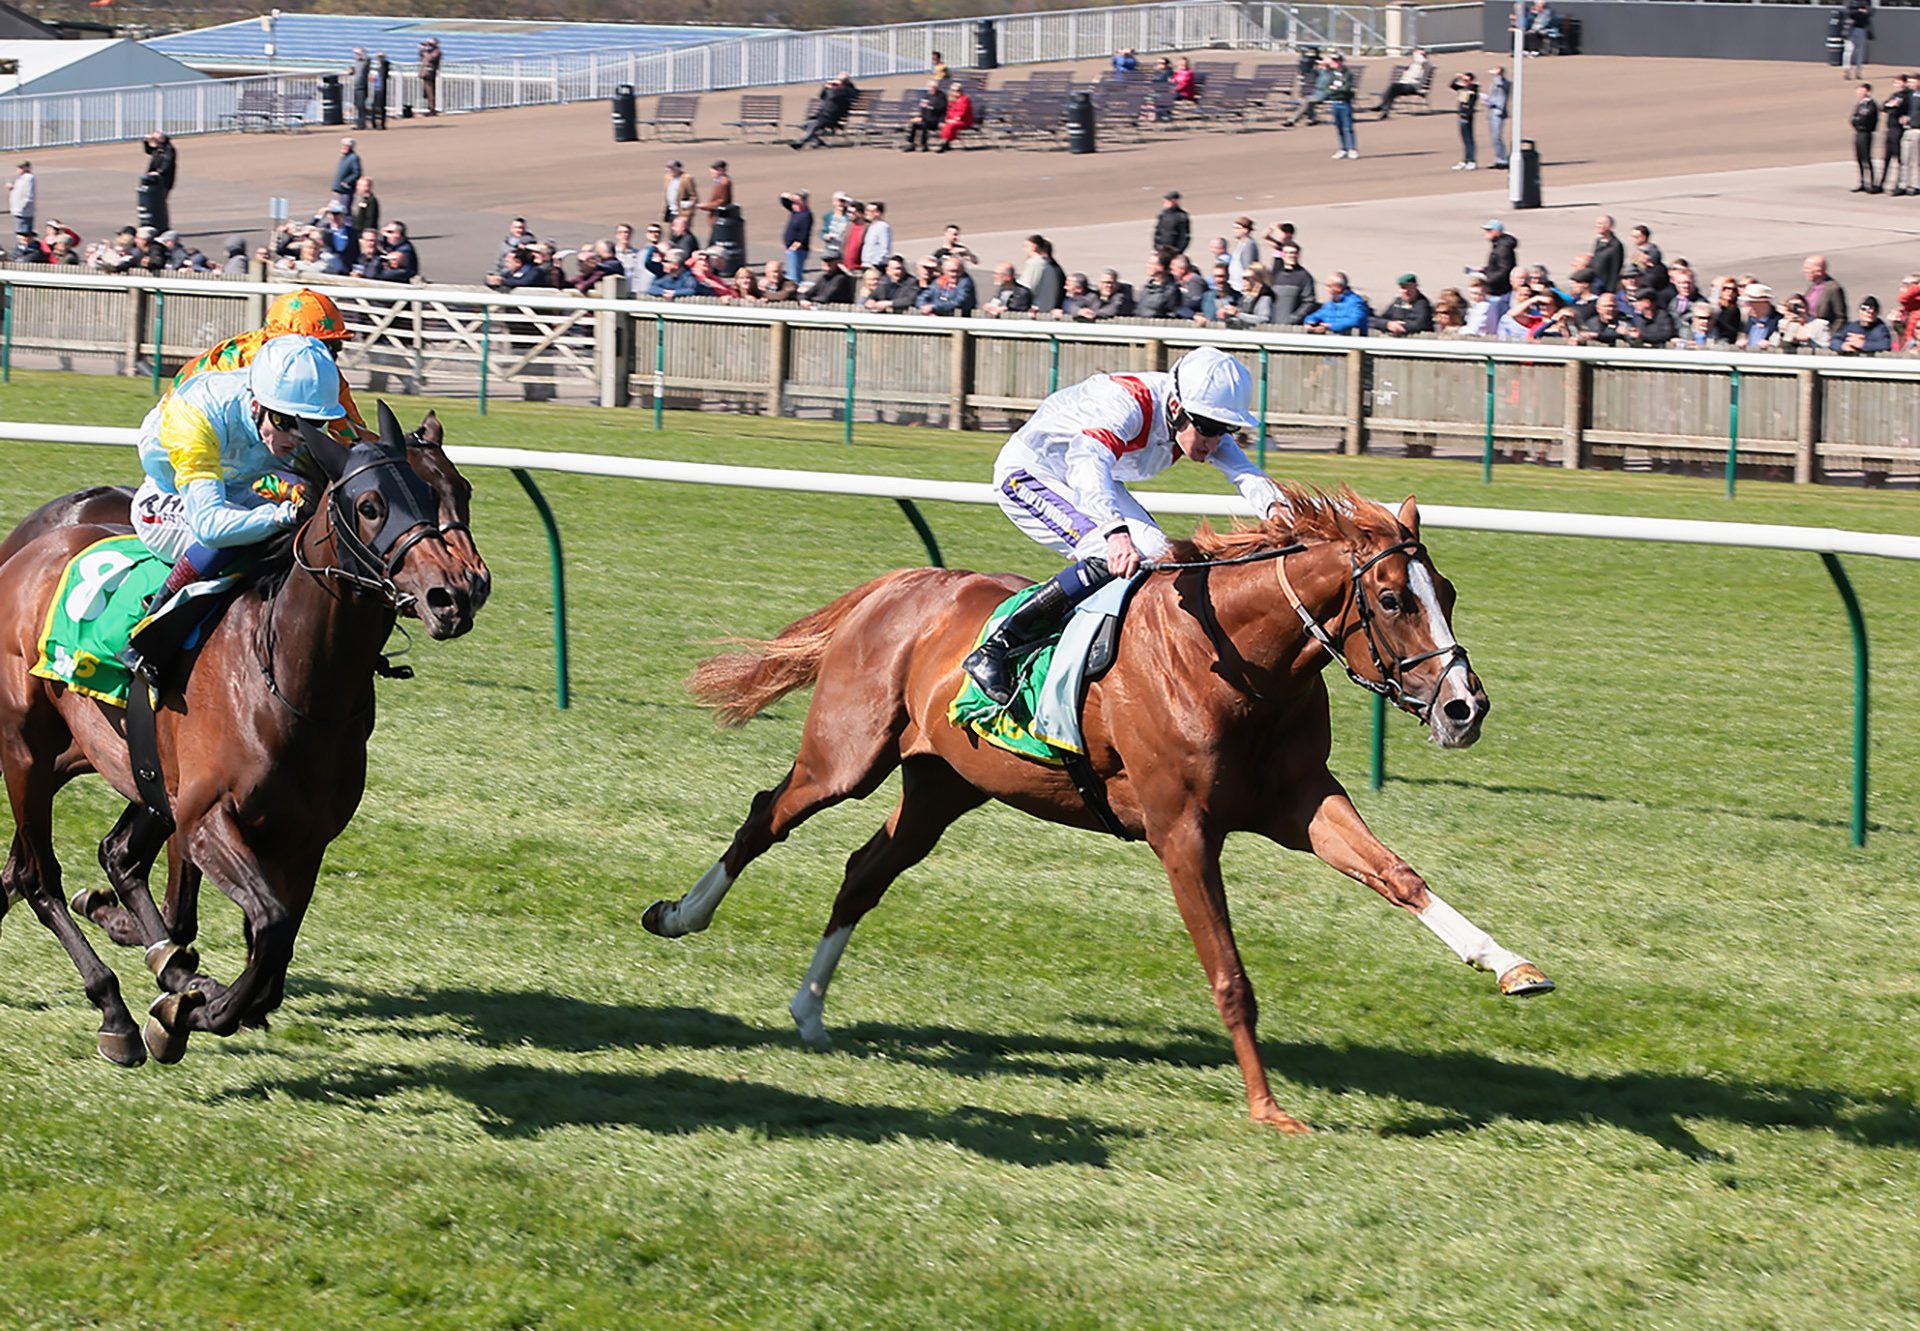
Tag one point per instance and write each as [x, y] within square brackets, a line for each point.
[492, 1102]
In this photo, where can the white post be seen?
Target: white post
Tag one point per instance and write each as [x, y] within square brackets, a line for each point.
[1514, 129]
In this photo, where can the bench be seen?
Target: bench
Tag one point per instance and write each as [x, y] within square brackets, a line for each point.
[265, 109]
[673, 109]
[1422, 93]
[760, 111]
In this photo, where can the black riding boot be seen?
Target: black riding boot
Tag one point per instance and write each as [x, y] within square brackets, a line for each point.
[991, 663]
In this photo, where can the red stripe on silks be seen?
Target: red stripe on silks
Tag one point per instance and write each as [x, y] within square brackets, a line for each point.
[1143, 399]
[1110, 439]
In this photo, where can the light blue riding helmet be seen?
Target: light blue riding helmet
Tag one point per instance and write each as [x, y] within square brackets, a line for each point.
[296, 375]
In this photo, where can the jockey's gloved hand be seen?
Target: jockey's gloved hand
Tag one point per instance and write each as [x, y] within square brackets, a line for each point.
[287, 514]
[273, 486]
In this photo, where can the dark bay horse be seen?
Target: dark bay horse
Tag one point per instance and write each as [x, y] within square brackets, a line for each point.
[263, 749]
[1213, 720]
[111, 506]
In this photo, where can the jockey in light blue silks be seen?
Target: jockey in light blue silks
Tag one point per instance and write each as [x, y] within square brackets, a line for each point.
[217, 452]
[1060, 476]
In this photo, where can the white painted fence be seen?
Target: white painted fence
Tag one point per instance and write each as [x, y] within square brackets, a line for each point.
[1829, 543]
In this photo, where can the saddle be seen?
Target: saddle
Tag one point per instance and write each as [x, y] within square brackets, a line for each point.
[1042, 721]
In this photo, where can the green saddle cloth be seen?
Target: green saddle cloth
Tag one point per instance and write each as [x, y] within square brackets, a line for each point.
[101, 596]
[1009, 727]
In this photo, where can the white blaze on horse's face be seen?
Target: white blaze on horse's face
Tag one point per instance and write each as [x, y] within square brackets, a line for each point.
[1458, 703]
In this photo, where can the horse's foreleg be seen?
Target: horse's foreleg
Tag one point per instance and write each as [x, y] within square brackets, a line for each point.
[1191, 856]
[1334, 830]
[932, 795]
[272, 898]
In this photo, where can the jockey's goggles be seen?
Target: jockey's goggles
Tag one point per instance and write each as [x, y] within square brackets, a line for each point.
[1208, 427]
[282, 421]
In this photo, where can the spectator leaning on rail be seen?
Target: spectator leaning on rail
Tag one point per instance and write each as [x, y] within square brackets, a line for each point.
[398, 260]
[1043, 276]
[1343, 311]
[834, 286]
[1407, 313]
[1060, 480]
[1009, 297]
[951, 294]
[1867, 334]
[216, 453]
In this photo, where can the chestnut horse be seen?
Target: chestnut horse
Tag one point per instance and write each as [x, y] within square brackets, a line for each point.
[263, 749]
[1212, 720]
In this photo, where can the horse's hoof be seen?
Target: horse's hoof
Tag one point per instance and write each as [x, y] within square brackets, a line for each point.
[651, 921]
[1284, 1122]
[165, 955]
[89, 899]
[166, 1030]
[122, 1048]
[1524, 981]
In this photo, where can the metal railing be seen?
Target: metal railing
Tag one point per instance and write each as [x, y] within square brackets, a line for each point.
[1829, 543]
[762, 60]
[1811, 417]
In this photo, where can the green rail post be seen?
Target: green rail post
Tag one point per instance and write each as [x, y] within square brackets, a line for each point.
[1264, 354]
[1053, 367]
[6, 332]
[926, 533]
[560, 693]
[1858, 832]
[847, 436]
[486, 348]
[1733, 428]
[159, 335]
[1486, 453]
[659, 370]
[1379, 742]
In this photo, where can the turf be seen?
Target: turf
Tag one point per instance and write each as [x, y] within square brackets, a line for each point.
[492, 1101]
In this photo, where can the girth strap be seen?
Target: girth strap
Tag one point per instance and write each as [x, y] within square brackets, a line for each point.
[143, 748]
[1094, 791]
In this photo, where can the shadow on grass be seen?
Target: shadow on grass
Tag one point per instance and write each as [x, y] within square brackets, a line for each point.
[1664, 806]
[1461, 1091]
[515, 1100]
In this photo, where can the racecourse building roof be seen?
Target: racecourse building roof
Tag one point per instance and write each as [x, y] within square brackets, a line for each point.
[326, 41]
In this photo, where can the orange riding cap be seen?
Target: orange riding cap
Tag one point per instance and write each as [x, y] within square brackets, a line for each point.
[301, 311]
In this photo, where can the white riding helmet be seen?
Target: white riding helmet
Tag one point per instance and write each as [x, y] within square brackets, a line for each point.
[296, 375]
[1212, 384]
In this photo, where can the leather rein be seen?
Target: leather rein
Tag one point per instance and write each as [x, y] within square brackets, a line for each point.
[1391, 669]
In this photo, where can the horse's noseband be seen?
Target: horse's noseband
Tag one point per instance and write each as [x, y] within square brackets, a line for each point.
[1390, 669]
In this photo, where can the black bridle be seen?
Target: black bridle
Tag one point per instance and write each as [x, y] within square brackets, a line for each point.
[1390, 669]
[375, 564]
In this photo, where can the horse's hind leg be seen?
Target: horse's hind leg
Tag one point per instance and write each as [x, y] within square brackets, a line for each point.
[932, 796]
[32, 872]
[822, 776]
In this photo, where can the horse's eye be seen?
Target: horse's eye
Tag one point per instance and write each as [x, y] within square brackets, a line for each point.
[369, 509]
[1390, 602]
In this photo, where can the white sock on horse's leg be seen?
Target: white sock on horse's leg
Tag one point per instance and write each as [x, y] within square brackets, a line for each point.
[811, 1000]
[1469, 941]
[694, 911]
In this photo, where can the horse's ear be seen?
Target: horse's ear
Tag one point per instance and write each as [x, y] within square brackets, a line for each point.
[390, 432]
[323, 449]
[1410, 517]
[431, 432]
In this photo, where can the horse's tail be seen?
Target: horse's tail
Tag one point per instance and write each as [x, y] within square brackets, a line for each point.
[738, 685]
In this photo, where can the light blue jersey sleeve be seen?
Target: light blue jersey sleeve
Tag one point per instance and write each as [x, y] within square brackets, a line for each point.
[218, 522]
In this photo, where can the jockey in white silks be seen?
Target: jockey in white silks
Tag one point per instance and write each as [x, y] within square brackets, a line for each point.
[1060, 480]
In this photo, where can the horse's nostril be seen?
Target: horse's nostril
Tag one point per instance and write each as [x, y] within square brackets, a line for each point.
[1459, 710]
[439, 598]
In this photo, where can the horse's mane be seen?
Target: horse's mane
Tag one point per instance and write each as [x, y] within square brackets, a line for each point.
[273, 563]
[1312, 515]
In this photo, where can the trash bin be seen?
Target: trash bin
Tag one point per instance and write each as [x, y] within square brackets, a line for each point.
[1080, 123]
[986, 45]
[626, 120]
[730, 237]
[1529, 175]
[1836, 37]
[150, 204]
[332, 108]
